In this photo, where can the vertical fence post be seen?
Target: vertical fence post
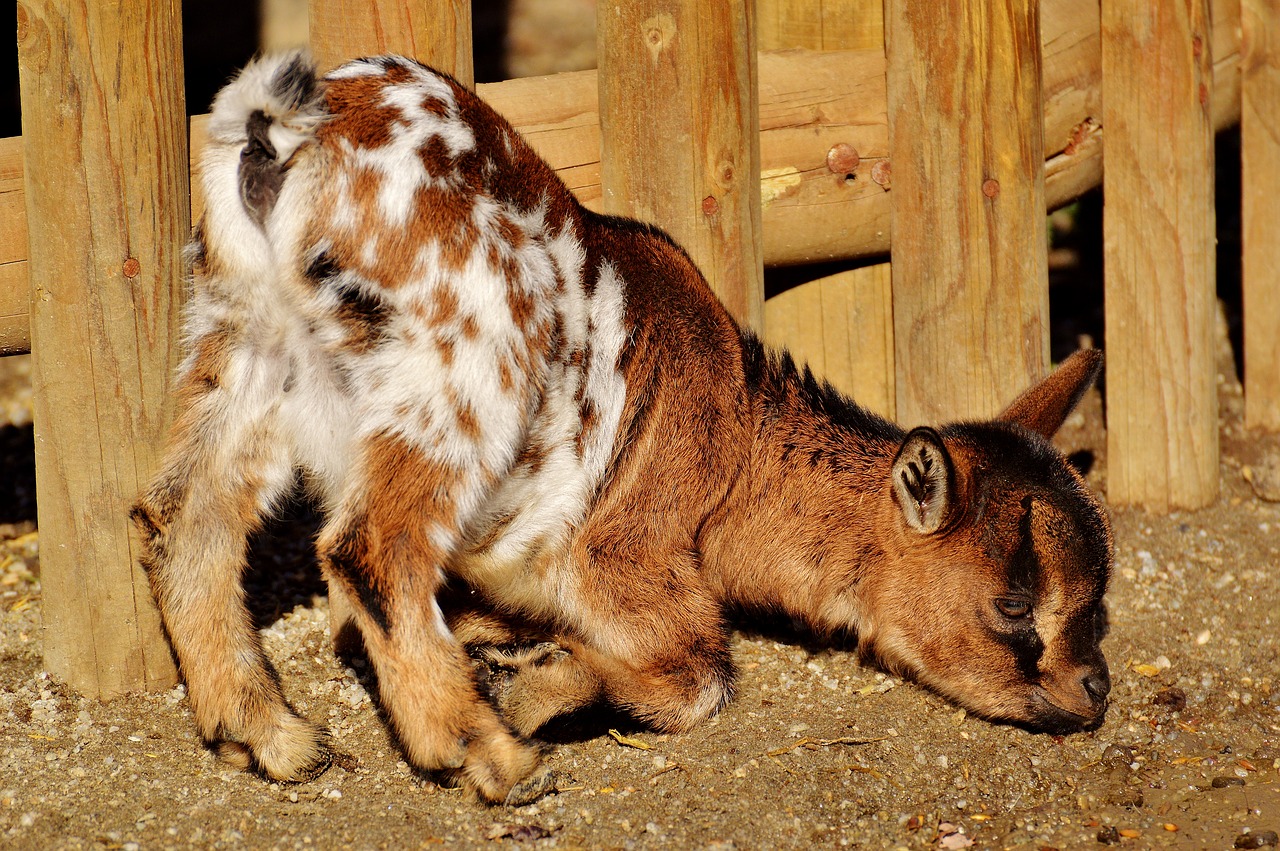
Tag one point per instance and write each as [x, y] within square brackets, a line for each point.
[108, 195]
[970, 274]
[841, 325]
[680, 135]
[1260, 152]
[285, 24]
[1158, 243]
[437, 32]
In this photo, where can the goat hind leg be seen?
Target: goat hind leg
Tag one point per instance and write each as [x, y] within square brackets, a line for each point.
[224, 468]
[386, 546]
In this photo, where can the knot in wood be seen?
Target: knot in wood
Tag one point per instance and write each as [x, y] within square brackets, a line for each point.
[842, 159]
[991, 187]
[710, 206]
[131, 268]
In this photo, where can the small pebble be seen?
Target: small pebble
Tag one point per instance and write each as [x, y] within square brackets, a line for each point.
[1117, 755]
[1261, 839]
[1172, 698]
[1265, 479]
[1109, 835]
[1225, 781]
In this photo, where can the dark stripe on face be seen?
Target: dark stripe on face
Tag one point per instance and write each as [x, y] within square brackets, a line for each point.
[1025, 574]
[1025, 577]
[1023, 641]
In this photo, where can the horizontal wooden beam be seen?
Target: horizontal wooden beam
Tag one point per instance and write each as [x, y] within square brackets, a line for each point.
[809, 102]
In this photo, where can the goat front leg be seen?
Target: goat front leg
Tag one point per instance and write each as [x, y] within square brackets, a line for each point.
[644, 636]
[227, 463]
[386, 547]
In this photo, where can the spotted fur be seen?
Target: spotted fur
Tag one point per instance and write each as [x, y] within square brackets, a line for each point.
[488, 387]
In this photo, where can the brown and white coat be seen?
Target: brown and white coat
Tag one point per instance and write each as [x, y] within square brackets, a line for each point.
[489, 388]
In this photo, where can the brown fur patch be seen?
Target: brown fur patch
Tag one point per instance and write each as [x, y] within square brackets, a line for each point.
[357, 114]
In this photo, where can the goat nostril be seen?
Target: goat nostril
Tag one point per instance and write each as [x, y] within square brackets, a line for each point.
[1097, 686]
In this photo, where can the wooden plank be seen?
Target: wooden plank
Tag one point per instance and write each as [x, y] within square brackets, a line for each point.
[15, 323]
[437, 32]
[107, 205]
[970, 274]
[844, 334]
[812, 101]
[678, 127]
[15, 336]
[820, 24]
[285, 24]
[1260, 160]
[811, 319]
[1158, 235]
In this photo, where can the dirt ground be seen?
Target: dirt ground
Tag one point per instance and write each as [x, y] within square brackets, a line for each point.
[816, 751]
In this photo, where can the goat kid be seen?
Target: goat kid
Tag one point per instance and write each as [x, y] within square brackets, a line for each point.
[482, 382]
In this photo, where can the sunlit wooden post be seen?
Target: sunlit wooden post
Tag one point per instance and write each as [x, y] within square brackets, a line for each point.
[841, 325]
[1158, 234]
[107, 197]
[1260, 152]
[679, 134]
[970, 275]
[437, 32]
[15, 296]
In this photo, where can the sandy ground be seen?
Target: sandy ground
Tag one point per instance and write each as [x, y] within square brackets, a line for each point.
[816, 751]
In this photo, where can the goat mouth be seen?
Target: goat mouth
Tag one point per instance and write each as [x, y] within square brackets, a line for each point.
[1045, 716]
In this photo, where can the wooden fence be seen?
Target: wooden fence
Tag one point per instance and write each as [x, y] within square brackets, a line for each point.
[955, 130]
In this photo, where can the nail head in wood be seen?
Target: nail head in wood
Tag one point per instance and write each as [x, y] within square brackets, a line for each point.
[842, 159]
[880, 173]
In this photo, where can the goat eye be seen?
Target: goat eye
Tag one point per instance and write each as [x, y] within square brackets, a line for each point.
[1013, 609]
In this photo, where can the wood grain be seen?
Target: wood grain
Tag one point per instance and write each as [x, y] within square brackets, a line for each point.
[1158, 235]
[437, 32]
[106, 176]
[808, 102]
[15, 297]
[970, 276]
[820, 24]
[840, 324]
[1260, 182]
[285, 24]
[679, 139]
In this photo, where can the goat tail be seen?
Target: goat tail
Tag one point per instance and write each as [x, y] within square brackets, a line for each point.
[270, 110]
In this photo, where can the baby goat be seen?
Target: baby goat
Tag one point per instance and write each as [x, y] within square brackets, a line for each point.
[481, 380]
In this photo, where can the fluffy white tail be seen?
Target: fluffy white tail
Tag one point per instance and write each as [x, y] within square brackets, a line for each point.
[268, 111]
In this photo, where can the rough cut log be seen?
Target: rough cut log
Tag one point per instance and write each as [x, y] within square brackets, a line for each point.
[841, 323]
[679, 138]
[14, 299]
[437, 32]
[970, 270]
[108, 206]
[810, 102]
[1158, 243]
[1260, 154]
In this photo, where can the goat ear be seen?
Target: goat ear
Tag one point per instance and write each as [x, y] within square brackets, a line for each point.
[924, 481]
[1045, 406]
